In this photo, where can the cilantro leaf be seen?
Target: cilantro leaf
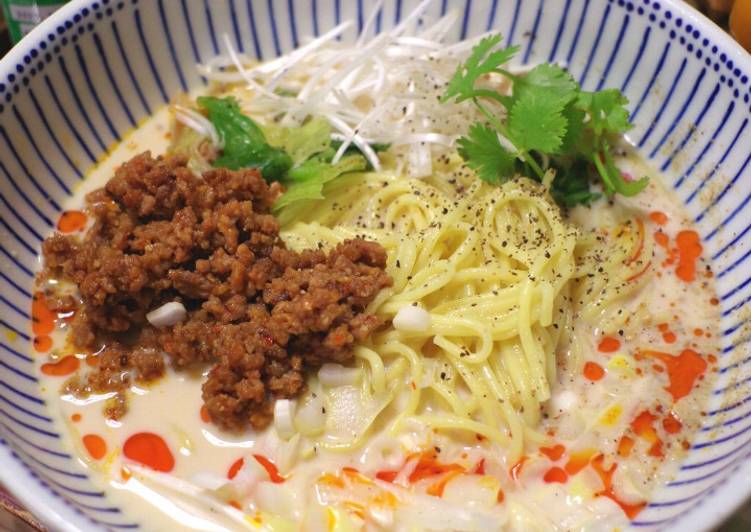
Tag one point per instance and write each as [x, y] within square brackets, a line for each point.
[571, 185]
[483, 152]
[245, 145]
[536, 122]
[548, 119]
[574, 140]
[556, 83]
[483, 60]
[607, 111]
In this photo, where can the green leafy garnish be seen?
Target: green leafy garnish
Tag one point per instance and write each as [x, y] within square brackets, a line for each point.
[547, 118]
[307, 180]
[245, 145]
[482, 61]
[300, 143]
[484, 154]
[300, 158]
[536, 122]
[571, 185]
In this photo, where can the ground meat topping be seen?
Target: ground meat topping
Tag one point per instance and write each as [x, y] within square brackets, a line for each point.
[258, 312]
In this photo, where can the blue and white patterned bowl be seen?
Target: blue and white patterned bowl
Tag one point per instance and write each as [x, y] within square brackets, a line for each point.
[90, 73]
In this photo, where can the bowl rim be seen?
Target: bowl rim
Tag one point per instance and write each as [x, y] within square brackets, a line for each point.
[59, 514]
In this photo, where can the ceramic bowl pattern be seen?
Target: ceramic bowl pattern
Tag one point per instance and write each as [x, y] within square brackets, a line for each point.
[94, 70]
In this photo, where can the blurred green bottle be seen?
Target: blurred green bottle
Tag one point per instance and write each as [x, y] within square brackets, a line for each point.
[23, 15]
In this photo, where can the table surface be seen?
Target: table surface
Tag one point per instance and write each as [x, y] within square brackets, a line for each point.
[14, 520]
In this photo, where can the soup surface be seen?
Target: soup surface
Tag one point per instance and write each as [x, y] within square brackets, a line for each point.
[508, 351]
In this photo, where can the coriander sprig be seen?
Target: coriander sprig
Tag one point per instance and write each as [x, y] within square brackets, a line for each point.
[547, 118]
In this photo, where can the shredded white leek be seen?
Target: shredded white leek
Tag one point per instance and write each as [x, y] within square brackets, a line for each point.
[199, 123]
[380, 89]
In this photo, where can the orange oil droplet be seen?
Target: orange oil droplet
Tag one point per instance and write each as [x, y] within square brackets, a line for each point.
[436, 489]
[270, 468]
[643, 426]
[671, 423]
[71, 221]
[606, 476]
[609, 344]
[42, 344]
[95, 445]
[624, 446]
[150, 450]
[42, 318]
[555, 475]
[235, 468]
[661, 239]
[658, 217]
[683, 370]
[689, 249]
[64, 366]
[428, 466]
[554, 453]
[593, 371]
[387, 476]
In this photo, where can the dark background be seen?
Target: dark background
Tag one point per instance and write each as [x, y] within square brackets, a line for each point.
[4, 37]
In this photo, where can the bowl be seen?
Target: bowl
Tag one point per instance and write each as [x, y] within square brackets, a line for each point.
[93, 71]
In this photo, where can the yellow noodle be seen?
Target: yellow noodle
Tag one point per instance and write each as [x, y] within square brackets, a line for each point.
[502, 276]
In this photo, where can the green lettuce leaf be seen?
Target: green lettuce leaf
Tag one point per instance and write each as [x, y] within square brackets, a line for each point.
[308, 179]
[245, 145]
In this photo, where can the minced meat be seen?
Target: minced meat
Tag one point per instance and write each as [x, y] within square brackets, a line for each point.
[258, 312]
